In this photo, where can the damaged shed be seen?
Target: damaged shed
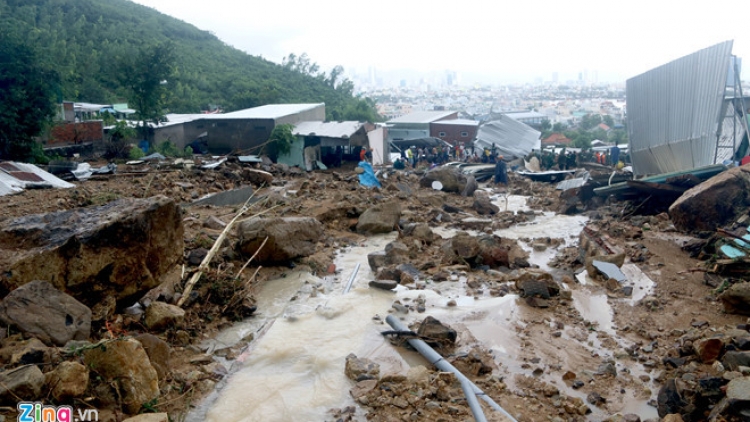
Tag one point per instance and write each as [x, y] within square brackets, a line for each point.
[325, 142]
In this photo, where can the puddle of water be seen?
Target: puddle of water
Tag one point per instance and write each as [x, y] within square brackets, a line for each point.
[642, 284]
[594, 307]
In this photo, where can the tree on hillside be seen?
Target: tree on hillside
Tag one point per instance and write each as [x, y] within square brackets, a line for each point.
[559, 127]
[609, 121]
[27, 99]
[145, 74]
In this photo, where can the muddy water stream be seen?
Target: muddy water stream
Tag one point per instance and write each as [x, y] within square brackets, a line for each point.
[294, 368]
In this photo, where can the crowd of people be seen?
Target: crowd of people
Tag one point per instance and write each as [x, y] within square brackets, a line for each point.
[568, 160]
[548, 160]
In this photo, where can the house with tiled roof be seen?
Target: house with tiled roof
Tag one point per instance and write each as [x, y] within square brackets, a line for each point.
[556, 139]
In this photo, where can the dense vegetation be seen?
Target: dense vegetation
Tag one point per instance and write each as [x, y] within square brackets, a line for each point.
[85, 41]
[27, 91]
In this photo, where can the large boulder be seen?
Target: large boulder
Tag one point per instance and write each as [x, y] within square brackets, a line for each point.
[40, 310]
[482, 204]
[121, 249]
[713, 203]
[736, 298]
[288, 237]
[381, 218]
[489, 250]
[126, 364]
[451, 179]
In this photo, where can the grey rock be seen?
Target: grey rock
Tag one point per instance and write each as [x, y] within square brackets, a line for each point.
[25, 383]
[736, 299]
[158, 352]
[450, 177]
[482, 204]
[196, 256]
[381, 218]
[40, 310]
[213, 222]
[470, 187]
[160, 316]
[384, 284]
[668, 400]
[360, 369]
[288, 238]
[230, 197]
[435, 332]
[732, 360]
[121, 249]
[714, 203]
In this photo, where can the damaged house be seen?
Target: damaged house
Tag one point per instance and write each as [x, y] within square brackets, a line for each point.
[327, 143]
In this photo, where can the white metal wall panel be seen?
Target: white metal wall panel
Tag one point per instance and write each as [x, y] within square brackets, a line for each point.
[674, 111]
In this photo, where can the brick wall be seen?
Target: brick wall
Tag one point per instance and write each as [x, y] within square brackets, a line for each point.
[452, 132]
[76, 133]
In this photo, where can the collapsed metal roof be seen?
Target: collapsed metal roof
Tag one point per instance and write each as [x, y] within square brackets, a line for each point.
[343, 130]
[15, 177]
[511, 137]
[674, 111]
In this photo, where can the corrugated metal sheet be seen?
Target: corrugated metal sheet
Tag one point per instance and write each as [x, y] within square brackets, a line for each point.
[511, 137]
[674, 111]
[15, 177]
[270, 111]
[343, 130]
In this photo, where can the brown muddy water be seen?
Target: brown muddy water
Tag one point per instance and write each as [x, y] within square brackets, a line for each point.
[293, 369]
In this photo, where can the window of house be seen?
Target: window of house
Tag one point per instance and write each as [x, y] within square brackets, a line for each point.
[441, 134]
[199, 127]
[222, 124]
[259, 128]
[464, 134]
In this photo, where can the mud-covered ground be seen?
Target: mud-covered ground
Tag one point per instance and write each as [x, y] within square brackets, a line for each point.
[591, 352]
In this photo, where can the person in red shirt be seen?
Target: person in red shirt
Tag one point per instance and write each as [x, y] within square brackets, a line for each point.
[362, 153]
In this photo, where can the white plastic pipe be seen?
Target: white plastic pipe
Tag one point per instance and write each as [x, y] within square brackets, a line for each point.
[434, 357]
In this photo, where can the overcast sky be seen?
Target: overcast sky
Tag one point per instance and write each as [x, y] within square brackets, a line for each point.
[517, 40]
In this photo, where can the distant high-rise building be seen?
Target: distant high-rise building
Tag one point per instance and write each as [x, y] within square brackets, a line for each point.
[555, 77]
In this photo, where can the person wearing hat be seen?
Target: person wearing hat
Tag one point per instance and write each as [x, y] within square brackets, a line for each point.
[501, 171]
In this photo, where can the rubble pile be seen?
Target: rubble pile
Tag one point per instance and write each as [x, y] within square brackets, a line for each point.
[91, 288]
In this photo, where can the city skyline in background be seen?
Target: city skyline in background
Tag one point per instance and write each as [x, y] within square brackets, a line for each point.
[483, 43]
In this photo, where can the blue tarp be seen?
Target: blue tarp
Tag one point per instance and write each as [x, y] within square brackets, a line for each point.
[368, 177]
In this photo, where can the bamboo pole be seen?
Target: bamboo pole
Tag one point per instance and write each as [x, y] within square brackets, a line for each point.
[214, 249]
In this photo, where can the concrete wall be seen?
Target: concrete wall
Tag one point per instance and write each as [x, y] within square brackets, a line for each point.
[173, 133]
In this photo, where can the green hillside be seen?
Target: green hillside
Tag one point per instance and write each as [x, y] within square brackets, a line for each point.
[85, 39]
